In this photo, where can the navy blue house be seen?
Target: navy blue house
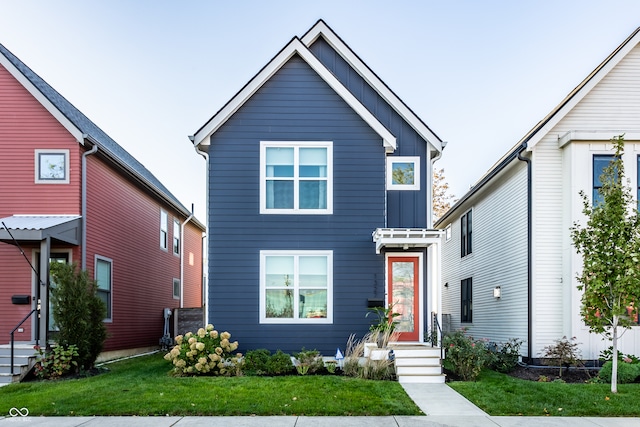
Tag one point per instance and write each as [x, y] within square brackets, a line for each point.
[319, 203]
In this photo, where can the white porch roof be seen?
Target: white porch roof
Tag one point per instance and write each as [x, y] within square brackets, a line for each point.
[405, 238]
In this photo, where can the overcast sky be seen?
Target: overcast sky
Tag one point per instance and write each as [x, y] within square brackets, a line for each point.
[480, 74]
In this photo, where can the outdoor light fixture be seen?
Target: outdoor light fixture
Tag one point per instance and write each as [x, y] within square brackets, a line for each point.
[497, 292]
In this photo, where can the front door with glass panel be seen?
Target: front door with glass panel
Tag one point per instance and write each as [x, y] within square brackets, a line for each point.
[403, 293]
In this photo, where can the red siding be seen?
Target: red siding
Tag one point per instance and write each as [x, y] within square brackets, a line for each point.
[192, 271]
[123, 224]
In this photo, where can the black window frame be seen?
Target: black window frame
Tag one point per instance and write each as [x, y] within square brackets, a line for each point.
[465, 233]
[466, 300]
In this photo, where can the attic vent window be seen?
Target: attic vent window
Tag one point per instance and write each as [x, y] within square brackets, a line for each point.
[52, 166]
[403, 173]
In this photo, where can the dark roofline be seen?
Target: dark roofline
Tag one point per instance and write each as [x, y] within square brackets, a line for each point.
[95, 135]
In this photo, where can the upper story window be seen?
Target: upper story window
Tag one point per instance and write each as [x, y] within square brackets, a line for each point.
[600, 162]
[103, 275]
[403, 173]
[296, 177]
[466, 300]
[164, 230]
[52, 166]
[447, 233]
[296, 286]
[465, 234]
[176, 237]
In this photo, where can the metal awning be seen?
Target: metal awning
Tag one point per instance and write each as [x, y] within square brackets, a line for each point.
[36, 228]
[405, 238]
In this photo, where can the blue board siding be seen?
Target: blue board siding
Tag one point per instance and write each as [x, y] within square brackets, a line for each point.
[405, 208]
[295, 104]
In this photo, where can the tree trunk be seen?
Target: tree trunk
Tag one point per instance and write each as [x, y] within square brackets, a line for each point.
[614, 367]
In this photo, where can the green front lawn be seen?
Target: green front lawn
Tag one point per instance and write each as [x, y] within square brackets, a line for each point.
[142, 386]
[499, 394]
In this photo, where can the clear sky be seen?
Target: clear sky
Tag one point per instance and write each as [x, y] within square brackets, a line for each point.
[480, 74]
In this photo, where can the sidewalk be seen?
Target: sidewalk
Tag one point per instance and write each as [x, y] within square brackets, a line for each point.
[443, 407]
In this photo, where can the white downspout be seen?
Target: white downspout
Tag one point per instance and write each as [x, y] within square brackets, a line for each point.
[182, 226]
[205, 245]
[93, 150]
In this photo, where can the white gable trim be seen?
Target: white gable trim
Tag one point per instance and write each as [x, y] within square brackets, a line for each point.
[39, 96]
[583, 89]
[294, 47]
[596, 135]
[322, 29]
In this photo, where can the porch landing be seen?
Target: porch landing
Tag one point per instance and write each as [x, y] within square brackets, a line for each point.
[417, 363]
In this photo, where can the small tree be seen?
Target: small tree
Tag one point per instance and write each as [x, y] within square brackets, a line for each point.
[78, 312]
[610, 249]
[441, 200]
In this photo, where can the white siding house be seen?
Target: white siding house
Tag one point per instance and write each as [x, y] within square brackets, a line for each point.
[522, 211]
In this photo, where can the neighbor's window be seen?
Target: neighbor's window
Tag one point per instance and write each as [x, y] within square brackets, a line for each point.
[465, 234]
[403, 173]
[176, 288]
[466, 305]
[600, 162]
[296, 177]
[164, 230]
[103, 276]
[296, 287]
[52, 166]
[447, 233]
[176, 237]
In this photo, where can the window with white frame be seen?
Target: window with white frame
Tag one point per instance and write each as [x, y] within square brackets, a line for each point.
[176, 237]
[447, 233]
[403, 173]
[104, 278]
[176, 288]
[164, 230]
[296, 287]
[465, 234]
[296, 177]
[52, 166]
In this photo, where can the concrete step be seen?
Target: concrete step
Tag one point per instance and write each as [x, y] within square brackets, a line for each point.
[18, 368]
[418, 361]
[422, 379]
[418, 370]
[416, 351]
[6, 379]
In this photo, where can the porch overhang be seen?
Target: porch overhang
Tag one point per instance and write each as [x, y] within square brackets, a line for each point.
[405, 238]
[36, 228]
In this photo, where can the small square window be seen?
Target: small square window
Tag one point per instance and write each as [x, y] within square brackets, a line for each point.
[403, 173]
[447, 233]
[52, 166]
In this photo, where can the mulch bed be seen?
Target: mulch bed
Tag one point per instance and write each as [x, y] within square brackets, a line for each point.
[546, 374]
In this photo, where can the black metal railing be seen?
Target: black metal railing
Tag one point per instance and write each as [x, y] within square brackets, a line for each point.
[436, 333]
[35, 310]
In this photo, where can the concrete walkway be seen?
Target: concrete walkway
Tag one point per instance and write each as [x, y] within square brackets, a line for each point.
[443, 407]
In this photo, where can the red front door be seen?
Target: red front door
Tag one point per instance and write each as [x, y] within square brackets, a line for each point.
[403, 293]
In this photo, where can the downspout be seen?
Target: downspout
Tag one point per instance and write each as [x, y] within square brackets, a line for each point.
[182, 238]
[205, 244]
[438, 276]
[430, 189]
[83, 240]
[529, 250]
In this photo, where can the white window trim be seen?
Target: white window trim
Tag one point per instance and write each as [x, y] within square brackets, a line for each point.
[416, 172]
[164, 243]
[263, 177]
[447, 233]
[263, 293]
[95, 274]
[38, 180]
[173, 283]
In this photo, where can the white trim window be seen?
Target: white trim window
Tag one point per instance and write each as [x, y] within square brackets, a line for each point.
[164, 230]
[176, 237]
[403, 173]
[296, 177]
[104, 278]
[296, 287]
[52, 166]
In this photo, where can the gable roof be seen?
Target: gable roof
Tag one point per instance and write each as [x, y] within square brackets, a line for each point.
[295, 46]
[321, 29]
[82, 128]
[540, 130]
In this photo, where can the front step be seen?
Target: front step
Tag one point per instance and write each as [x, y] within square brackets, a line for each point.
[23, 360]
[418, 363]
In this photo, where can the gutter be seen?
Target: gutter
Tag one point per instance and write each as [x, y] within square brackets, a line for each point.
[529, 251]
[83, 240]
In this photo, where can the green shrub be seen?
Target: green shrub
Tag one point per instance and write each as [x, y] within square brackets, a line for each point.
[627, 372]
[465, 356]
[607, 355]
[279, 364]
[78, 312]
[255, 362]
[56, 362]
[504, 357]
[205, 352]
[308, 361]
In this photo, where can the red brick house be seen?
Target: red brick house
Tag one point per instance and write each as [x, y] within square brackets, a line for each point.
[69, 193]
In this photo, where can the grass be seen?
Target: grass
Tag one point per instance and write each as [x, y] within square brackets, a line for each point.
[499, 394]
[143, 386]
